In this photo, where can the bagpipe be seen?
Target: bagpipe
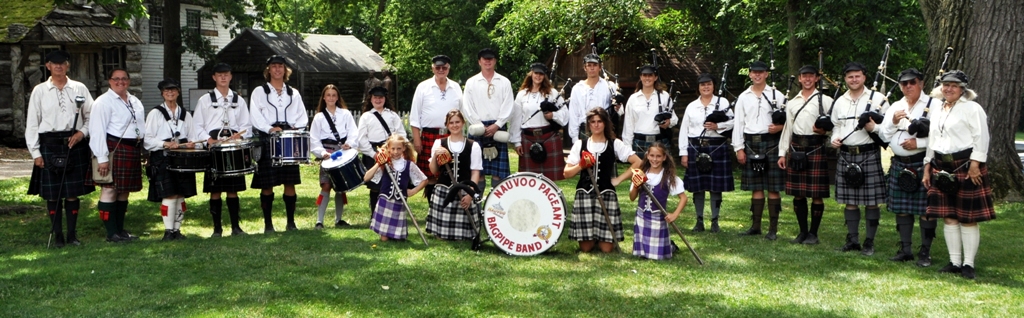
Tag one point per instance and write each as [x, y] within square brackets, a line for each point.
[919, 127]
[778, 112]
[664, 111]
[871, 114]
[824, 121]
[718, 115]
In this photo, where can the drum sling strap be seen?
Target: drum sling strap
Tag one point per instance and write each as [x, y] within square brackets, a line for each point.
[213, 99]
[167, 118]
[266, 91]
[330, 123]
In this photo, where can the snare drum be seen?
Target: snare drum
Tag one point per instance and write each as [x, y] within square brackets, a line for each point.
[233, 158]
[289, 147]
[187, 160]
[525, 214]
[346, 172]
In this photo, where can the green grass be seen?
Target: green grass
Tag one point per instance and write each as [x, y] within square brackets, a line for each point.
[1019, 135]
[348, 272]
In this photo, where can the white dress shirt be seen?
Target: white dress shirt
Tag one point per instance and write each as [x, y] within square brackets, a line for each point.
[846, 115]
[801, 122]
[622, 151]
[753, 114]
[51, 110]
[210, 115]
[416, 175]
[111, 116]
[640, 112]
[159, 129]
[370, 129]
[430, 104]
[696, 115]
[897, 134]
[476, 159]
[266, 109]
[528, 104]
[963, 126]
[320, 129]
[582, 99]
[488, 101]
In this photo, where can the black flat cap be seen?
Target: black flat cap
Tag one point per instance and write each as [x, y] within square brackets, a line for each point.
[808, 69]
[221, 68]
[648, 69]
[487, 53]
[705, 77]
[277, 59]
[168, 83]
[758, 66]
[909, 74]
[58, 56]
[440, 60]
[954, 76]
[592, 58]
[379, 91]
[855, 66]
[539, 68]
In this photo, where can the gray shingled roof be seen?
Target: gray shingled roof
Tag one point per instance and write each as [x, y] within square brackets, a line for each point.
[320, 53]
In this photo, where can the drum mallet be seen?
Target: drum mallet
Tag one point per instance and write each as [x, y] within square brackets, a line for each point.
[401, 196]
[650, 195]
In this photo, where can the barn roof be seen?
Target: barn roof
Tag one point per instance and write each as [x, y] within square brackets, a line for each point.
[65, 24]
[315, 53]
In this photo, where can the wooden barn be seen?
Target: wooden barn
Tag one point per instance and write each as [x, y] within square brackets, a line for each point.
[316, 60]
[34, 28]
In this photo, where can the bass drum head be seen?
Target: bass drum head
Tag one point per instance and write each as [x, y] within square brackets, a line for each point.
[524, 214]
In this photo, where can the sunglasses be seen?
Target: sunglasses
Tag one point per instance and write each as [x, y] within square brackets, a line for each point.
[441, 68]
[908, 83]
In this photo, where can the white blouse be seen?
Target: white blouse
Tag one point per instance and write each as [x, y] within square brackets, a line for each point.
[320, 129]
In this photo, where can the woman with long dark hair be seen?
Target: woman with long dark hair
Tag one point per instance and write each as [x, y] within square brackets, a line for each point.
[333, 129]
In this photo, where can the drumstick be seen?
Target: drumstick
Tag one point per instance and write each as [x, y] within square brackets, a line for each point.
[604, 209]
[401, 196]
[650, 196]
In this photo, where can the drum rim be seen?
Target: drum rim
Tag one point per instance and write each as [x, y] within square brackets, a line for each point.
[561, 196]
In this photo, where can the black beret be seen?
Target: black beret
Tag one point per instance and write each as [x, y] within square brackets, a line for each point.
[221, 67]
[487, 53]
[277, 59]
[58, 56]
[954, 76]
[441, 60]
[648, 69]
[591, 58]
[539, 68]
[909, 74]
[168, 83]
[758, 66]
[379, 91]
[705, 77]
[809, 69]
[854, 66]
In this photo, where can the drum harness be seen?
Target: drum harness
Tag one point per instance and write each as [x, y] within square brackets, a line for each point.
[227, 111]
[650, 197]
[175, 129]
[277, 119]
[396, 191]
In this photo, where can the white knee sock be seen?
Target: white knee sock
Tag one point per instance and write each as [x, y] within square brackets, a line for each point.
[971, 235]
[168, 209]
[180, 215]
[953, 242]
[339, 206]
[321, 203]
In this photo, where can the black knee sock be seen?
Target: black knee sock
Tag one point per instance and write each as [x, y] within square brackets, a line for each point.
[53, 210]
[698, 203]
[852, 217]
[774, 208]
[122, 211]
[215, 212]
[905, 226]
[757, 212]
[107, 216]
[71, 210]
[374, 195]
[233, 211]
[289, 207]
[872, 215]
[267, 204]
[800, 208]
[817, 211]
[928, 231]
[716, 204]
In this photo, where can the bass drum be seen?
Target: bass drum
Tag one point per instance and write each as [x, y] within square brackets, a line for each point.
[525, 213]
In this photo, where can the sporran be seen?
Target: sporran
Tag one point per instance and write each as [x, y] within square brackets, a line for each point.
[907, 180]
[854, 175]
[704, 162]
[946, 182]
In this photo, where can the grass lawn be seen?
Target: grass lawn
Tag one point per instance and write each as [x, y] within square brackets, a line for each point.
[348, 272]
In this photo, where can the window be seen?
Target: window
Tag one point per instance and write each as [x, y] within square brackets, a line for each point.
[113, 57]
[156, 25]
[193, 20]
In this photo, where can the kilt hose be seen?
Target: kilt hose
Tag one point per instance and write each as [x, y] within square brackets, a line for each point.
[972, 203]
[772, 179]
[212, 184]
[903, 202]
[720, 178]
[587, 221]
[268, 176]
[498, 166]
[812, 181]
[52, 183]
[165, 183]
[651, 235]
[389, 219]
[126, 165]
[451, 222]
[554, 163]
[641, 142]
[872, 192]
[427, 137]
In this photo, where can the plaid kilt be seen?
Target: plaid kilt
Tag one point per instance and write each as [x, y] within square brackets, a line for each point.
[899, 201]
[126, 166]
[268, 176]
[587, 221]
[720, 178]
[553, 165]
[222, 184]
[971, 204]
[165, 183]
[450, 222]
[640, 145]
[324, 177]
[772, 179]
[497, 167]
[651, 236]
[812, 182]
[423, 161]
[873, 190]
[77, 177]
[389, 220]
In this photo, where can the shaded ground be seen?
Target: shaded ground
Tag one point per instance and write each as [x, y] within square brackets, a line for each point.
[15, 162]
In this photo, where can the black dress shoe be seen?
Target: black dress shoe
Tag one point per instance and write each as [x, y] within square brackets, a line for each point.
[319, 226]
[216, 234]
[924, 257]
[58, 240]
[811, 239]
[699, 227]
[869, 247]
[128, 236]
[967, 272]
[291, 227]
[178, 235]
[799, 238]
[771, 236]
[237, 231]
[269, 229]
[902, 255]
[850, 246]
[168, 235]
[675, 248]
[74, 241]
[714, 226]
[950, 268]
[751, 231]
[117, 239]
[341, 224]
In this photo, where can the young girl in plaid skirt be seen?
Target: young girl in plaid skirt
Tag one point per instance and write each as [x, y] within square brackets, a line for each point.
[399, 162]
[650, 233]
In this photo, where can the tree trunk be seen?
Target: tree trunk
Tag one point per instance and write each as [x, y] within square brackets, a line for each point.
[947, 22]
[381, 5]
[995, 47]
[172, 39]
[795, 46]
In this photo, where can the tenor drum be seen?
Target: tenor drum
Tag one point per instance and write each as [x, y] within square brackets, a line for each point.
[346, 172]
[233, 158]
[525, 213]
[289, 147]
[187, 160]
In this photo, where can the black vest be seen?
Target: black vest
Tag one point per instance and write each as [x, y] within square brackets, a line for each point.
[464, 162]
[605, 166]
